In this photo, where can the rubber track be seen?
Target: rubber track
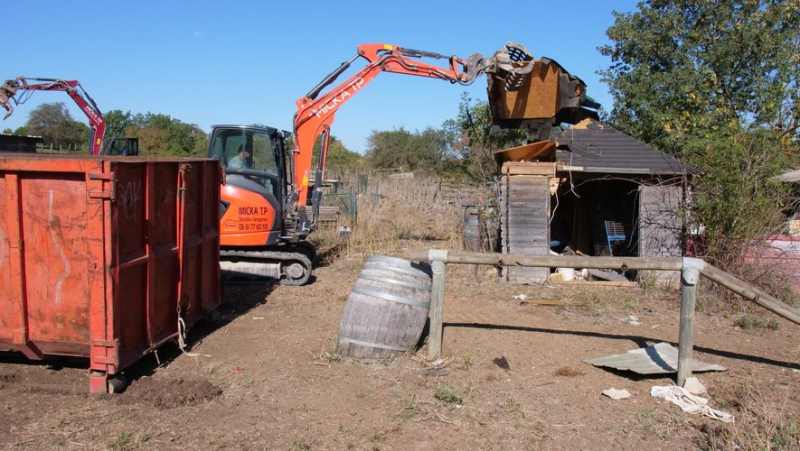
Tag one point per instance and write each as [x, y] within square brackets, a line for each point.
[276, 257]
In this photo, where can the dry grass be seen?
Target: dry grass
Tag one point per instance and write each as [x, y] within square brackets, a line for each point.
[394, 216]
[778, 280]
[761, 421]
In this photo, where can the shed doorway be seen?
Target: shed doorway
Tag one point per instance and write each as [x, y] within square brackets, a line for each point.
[595, 217]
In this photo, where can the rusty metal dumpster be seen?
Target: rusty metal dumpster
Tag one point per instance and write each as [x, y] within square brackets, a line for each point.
[105, 258]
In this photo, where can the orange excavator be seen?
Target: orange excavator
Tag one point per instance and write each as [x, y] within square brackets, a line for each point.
[99, 144]
[269, 206]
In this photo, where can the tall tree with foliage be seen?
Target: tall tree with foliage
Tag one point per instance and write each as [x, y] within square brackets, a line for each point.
[159, 134]
[118, 122]
[714, 82]
[54, 123]
[425, 151]
[340, 158]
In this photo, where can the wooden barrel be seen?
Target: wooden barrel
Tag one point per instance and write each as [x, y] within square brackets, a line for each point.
[386, 310]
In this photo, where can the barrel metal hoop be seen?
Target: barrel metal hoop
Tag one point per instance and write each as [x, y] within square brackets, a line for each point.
[391, 260]
[374, 345]
[410, 271]
[394, 282]
[391, 297]
[394, 261]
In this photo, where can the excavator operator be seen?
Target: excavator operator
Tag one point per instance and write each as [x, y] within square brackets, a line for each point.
[242, 160]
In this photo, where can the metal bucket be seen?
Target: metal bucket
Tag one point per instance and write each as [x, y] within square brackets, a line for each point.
[480, 230]
[472, 229]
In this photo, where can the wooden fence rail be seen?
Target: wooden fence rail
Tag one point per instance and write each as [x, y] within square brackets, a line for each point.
[690, 268]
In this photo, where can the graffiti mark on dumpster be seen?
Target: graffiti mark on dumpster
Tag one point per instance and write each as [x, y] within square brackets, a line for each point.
[3, 249]
[129, 199]
[53, 226]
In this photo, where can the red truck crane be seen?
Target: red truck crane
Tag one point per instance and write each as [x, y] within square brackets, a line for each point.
[98, 144]
[264, 217]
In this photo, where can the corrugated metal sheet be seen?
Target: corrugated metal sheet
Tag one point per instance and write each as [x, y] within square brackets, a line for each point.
[659, 359]
[594, 147]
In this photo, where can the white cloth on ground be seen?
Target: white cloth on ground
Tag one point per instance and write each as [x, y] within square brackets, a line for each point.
[689, 402]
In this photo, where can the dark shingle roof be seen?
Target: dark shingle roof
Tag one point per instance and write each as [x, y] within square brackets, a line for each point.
[596, 147]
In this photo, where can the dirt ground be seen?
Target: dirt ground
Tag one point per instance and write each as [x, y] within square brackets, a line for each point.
[266, 376]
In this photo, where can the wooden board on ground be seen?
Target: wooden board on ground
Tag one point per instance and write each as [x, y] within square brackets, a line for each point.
[544, 302]
[596, 283]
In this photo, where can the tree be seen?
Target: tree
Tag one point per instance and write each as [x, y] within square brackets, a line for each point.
[472, 140]
[688, 67]
[117, 122]
[425, 151]
[339, 156]
[159, 134]
[715, 83]
[152, 140]
[53, 122]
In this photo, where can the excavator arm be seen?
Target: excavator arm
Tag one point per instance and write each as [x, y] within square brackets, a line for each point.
[73, 88]
[316, 113]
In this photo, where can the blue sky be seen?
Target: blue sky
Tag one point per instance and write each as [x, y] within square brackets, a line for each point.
[210, 62]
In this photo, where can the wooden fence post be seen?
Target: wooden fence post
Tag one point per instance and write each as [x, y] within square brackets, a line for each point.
[438, 259]
[690, 275]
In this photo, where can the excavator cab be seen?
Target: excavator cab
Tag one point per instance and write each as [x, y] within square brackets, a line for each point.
[252, 153]
[253, 202]
[125, 147]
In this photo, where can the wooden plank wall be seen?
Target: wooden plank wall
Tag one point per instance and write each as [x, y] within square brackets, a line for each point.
[525, 224]
[660, 228]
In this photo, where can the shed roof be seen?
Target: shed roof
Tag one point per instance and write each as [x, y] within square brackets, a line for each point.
[591, 146]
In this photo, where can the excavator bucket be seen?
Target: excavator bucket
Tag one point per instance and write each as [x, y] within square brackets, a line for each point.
[7, 91]
[524, 91]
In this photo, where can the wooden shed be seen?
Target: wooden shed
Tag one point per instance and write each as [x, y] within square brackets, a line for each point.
[19, 144]
[591, 190]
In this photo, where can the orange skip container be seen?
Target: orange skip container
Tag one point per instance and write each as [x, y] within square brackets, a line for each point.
[105, 257]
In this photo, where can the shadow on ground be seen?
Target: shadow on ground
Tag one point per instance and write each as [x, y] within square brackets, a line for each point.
[639, 340]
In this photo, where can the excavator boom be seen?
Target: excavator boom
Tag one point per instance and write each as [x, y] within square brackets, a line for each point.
[316, 113]
[73, 88]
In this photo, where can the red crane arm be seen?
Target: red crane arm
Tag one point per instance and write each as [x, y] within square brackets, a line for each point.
[74, 89]
[315, 115]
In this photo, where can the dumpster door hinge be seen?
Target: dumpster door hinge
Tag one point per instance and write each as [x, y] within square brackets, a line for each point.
[110, 193]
